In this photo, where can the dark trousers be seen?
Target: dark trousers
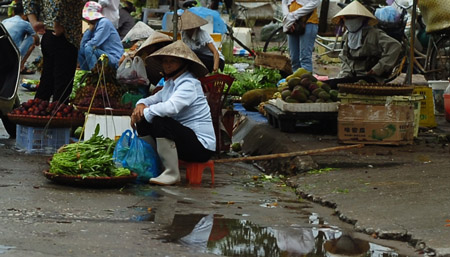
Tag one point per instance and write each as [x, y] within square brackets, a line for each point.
[333, 83]
[59, 64]
[189, 147]
[208, 61]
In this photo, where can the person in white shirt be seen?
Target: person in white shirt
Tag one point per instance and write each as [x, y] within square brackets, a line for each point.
[178, 116]
[110, 9]
[200, 41]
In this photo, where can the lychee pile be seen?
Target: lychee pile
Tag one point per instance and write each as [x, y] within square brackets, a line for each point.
[42, 108]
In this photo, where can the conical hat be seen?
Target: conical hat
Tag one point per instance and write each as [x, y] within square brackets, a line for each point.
[180, 50]
[189, 20]
[355, 9]
[155, 41]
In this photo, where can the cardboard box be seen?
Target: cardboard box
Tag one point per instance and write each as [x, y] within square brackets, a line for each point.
[414, 100]
[376, 124]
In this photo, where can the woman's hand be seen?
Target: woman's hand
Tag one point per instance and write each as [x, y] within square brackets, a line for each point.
[137, 115]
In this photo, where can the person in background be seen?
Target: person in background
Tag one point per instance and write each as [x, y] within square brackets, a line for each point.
[200, 41]
[111, 11]
[100, 38]
[126, 21]
[369, 54]
[301, 47]
[23, 35]
[178, 116]
[61, 29]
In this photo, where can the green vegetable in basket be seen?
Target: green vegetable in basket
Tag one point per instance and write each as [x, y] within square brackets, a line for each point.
[91, 158]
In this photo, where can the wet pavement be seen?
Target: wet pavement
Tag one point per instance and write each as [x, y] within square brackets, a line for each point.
[245, 213]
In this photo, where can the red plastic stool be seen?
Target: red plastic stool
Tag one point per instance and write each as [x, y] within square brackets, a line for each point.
[194, 171]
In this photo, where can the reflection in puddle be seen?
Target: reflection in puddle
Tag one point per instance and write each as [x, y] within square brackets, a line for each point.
[143, 190]
[147, 215]
[4, 248]
[234, 237]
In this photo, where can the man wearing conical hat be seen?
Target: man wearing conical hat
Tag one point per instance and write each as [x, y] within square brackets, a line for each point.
[368, 54]
[178, 116]
[200, 41]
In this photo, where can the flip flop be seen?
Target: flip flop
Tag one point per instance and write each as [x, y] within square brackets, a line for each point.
[27, 71]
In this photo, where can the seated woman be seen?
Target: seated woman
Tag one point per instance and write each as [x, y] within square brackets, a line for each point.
[100, 38]
[178, 116]
[369, 54]
[200, 41]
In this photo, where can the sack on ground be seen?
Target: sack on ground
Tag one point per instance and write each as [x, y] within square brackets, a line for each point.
[135, 154]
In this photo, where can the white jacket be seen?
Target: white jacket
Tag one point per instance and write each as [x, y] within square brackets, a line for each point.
[290, 17]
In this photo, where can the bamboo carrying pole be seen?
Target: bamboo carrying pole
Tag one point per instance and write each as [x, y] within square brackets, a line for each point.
[284, 155]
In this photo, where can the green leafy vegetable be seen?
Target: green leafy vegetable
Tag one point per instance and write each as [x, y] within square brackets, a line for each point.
[251, 79]
[93, 157]
[79, 81]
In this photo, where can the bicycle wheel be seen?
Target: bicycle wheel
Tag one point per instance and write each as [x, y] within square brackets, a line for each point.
[440, 59]
[280, 38]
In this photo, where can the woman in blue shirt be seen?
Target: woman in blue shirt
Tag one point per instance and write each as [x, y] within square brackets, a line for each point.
[100, 38]
[178, 116]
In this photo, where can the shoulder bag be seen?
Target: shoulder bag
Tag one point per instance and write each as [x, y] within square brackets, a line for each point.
[299, 26]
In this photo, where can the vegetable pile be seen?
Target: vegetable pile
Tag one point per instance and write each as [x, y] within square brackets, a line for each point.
[251, 79]
[90, 158]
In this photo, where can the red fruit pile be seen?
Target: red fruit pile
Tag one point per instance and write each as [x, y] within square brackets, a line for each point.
[37, 107]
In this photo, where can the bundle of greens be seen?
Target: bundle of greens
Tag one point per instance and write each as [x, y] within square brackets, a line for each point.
[90, 158]
[252, 79]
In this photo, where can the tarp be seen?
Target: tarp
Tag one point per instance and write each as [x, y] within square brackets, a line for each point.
[219, 25]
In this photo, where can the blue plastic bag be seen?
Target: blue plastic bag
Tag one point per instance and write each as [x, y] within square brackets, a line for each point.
[135, 154]
[387, 14]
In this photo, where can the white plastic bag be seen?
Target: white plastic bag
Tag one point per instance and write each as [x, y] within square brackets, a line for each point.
[139, 71]
[132, 71]
[125, 70]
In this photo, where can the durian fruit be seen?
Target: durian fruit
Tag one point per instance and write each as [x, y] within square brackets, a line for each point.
[251, 99]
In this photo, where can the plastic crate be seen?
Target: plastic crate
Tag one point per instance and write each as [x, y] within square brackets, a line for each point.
[41, 140]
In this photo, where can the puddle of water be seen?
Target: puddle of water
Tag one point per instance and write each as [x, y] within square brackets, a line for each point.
[144, 190]
[235, 237]
[5, 248]
[147, 215]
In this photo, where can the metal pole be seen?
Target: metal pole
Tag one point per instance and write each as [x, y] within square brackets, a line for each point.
[175, 20]
[411, 43]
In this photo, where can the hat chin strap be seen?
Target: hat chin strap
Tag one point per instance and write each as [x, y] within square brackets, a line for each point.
[174, 73]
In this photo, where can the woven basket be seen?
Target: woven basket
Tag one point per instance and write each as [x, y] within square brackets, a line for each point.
[436, 14]
[96, 182]
[39, 121]
[376, 89]
[274, 61]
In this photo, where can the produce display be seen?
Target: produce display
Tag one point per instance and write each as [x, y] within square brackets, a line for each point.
[90, 158]
[303, 87]
[35, 108]
[109, 92]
